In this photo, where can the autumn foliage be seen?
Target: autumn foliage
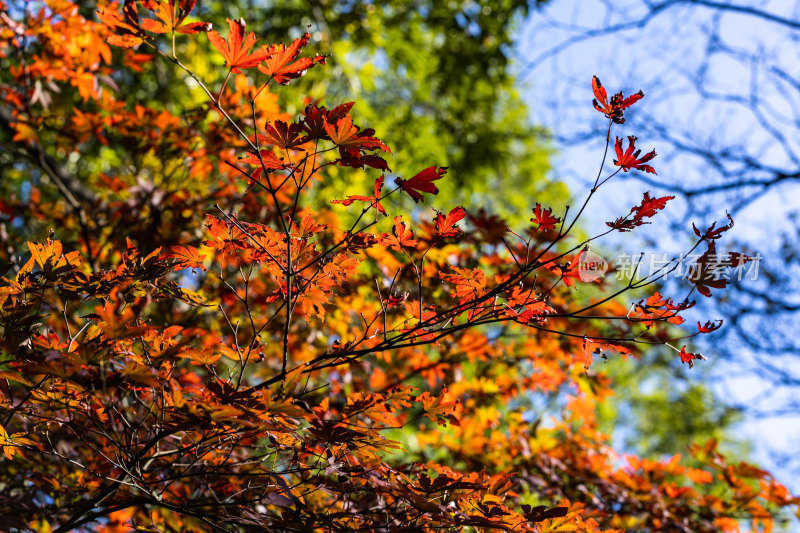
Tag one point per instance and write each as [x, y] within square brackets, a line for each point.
[189, 343]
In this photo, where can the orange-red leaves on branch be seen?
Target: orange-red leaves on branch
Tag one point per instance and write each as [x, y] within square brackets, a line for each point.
[657, 307]
[648, 208]
[689, 358]
[284, 135]
[422, 182]
[126, 29]
[269, 159]
[446, 225]
[711, 233]
[278, 67]
[348, 138]
[570, 272]
[469, 283]
[438, 408]
[236, 49]
[187, 257]
[630, 158]
[614, 108]
[709, 271]
[308, 227]
[315, 118]
[400, 237]
[224, 236]
[374, 200]
[171, 15]
[709, 326]
[544, 217]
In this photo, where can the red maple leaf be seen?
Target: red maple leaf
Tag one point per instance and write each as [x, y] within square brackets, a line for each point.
[630, 159]
[187, 256]
[348, 138]
[648, 208]
[360, 160]
[569, 272]
[284, 135]
[708, 273]
[689, 357]
[374, 200]
[308, 227]
[127, 31]
[271, 161]
[172, 17]
[544, 217]
[612, 109]
[709, 326]
[277, 66]
[446, 225]
[711, 233]
[236, 50]
[315, 117]
[400, 237]
[422, 182]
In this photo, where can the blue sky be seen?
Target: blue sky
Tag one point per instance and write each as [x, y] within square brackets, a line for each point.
[744, 106]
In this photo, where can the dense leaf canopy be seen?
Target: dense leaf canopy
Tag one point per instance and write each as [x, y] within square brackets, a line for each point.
[191, 340]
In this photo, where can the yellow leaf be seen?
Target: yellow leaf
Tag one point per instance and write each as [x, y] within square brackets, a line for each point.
[14, 376]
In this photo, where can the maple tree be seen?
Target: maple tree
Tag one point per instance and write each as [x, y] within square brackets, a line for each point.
[191, 347]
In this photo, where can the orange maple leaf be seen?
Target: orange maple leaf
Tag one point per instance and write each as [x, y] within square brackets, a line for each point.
[172, 17]
[278, 67]
[236, 50]
[347, 136]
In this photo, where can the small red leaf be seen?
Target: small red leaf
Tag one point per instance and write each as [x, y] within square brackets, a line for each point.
[689, 357]
[544, 217]
[422, 182]
[711, 233]
[446, 225]
[614, 108]
[630, 158]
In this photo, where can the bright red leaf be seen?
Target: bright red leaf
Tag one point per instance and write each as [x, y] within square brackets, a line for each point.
[689, 357]
[446, 225]
[630, 158]
[648, 208]
[422, 182]
[544, 217]
[127, 32]
[614, 108]
[374, 200]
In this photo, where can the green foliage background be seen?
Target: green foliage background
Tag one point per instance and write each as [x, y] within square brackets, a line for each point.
[432, 79]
